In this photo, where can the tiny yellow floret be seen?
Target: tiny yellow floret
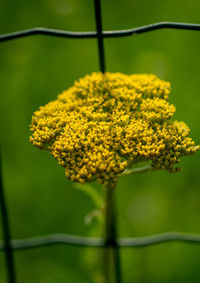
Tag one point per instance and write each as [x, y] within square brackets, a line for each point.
[106, 123]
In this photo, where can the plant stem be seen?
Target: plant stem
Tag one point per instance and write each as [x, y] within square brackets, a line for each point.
[137, 170]
[111, 259]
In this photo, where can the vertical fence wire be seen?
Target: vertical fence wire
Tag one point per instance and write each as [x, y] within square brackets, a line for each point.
[113, 228]
[6, 232]
[98, 19]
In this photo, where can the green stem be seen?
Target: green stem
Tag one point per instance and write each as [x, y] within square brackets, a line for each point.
[112, 270]
[137, 170]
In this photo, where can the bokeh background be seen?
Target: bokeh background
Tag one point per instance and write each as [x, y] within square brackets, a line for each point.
[33, 71]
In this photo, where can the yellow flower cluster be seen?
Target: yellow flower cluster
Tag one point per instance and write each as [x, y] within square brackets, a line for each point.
[107, 123]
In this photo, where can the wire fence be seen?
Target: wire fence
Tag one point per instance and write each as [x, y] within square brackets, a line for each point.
[8, 246]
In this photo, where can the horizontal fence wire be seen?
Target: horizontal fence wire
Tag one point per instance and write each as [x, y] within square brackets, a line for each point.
[94, 34]
[64, 239]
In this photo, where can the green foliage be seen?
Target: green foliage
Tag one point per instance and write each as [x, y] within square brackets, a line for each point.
[96, 199]
[92, 193]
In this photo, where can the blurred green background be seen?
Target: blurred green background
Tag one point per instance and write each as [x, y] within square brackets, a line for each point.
[33, 71]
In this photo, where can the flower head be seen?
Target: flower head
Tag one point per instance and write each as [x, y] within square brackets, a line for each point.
[106, 123]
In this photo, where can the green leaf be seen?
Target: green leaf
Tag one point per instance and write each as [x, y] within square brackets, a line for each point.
[92, 192]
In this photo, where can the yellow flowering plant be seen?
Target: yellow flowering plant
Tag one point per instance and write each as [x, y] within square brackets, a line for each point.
[104, 126]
